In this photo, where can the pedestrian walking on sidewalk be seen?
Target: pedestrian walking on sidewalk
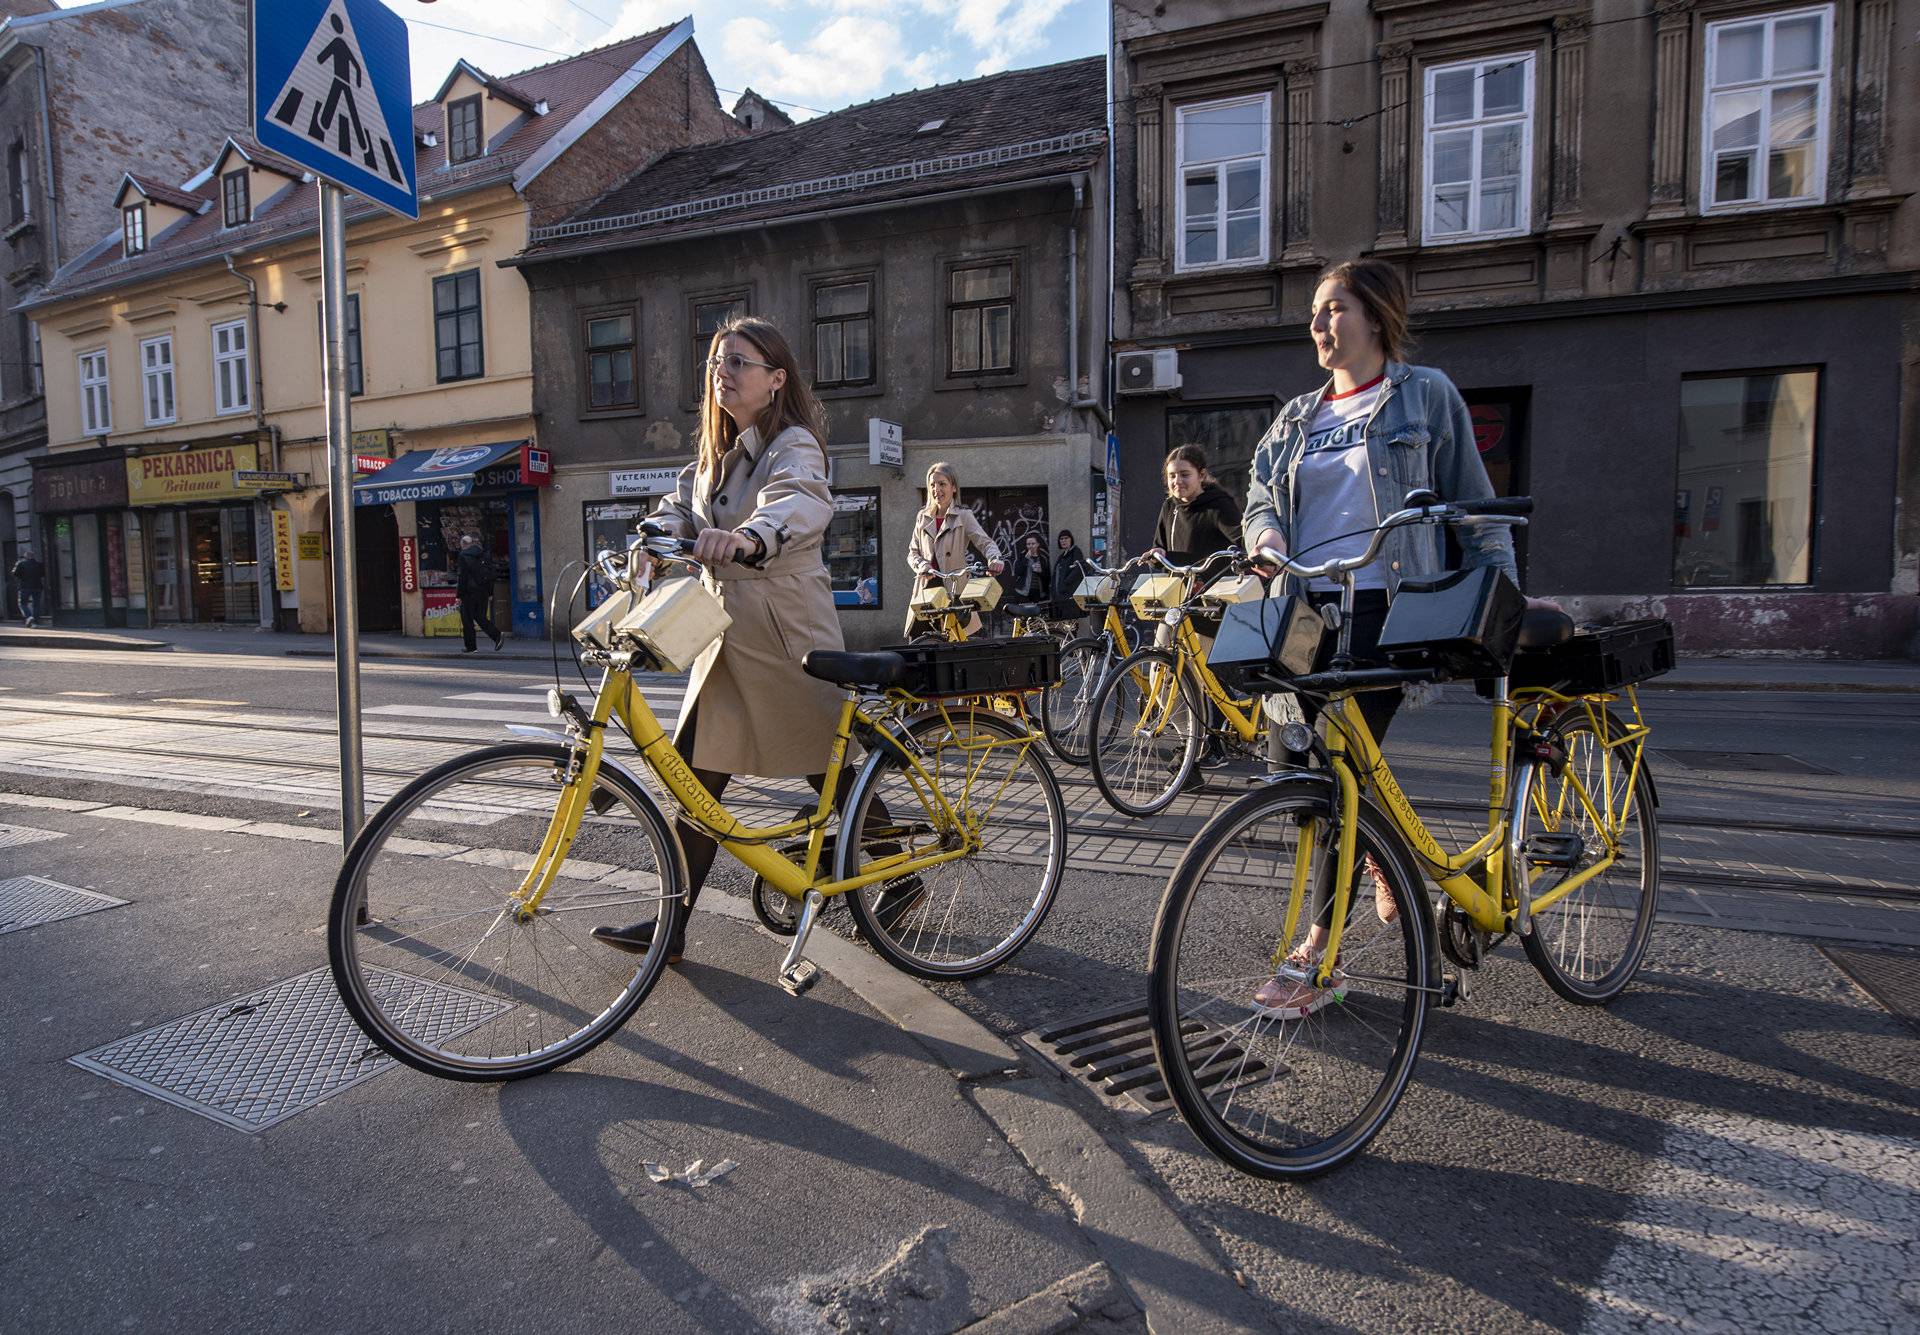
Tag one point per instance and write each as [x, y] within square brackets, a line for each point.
[29, 579]
[474, 573]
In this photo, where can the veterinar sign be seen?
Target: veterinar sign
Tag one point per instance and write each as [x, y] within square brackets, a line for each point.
[331, 91]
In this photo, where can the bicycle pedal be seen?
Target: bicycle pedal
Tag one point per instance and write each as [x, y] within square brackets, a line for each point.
[1555, 850]
[1453, 989]
[800, 978]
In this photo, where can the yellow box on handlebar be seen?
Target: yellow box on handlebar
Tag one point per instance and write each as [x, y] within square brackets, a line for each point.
[1096, 591]
[596, 631]
[675, 623]
[982, 591]
[932, 598]
[1231, 589]
[1153, 594]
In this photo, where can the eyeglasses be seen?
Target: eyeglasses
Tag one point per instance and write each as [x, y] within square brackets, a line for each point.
[735, 363]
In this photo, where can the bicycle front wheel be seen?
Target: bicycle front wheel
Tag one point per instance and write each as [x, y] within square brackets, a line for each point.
[1279, 1078]
[991, 787]
[432, 948]
[1064, 707]
[1589, 943]
[1143, 732]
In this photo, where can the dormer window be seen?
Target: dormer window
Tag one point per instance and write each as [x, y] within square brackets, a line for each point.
[463, 129]
[133, 230]
[234, 208]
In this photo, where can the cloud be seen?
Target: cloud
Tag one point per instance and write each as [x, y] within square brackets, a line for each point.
[845, 59]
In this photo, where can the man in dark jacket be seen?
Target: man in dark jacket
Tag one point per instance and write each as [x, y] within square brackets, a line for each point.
[474, 573]
[29, 579]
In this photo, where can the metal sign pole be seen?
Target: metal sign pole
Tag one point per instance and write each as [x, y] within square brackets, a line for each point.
[346, 621]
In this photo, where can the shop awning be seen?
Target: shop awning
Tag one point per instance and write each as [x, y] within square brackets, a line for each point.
[445, 474]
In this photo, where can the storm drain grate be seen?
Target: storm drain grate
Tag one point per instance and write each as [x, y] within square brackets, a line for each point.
[1111, 1053]
[33, 901]
[1891, 979]
[256, 1061]
[12, 835]
[1751, 762]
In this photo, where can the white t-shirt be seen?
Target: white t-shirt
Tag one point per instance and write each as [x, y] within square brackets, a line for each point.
[1333, 496]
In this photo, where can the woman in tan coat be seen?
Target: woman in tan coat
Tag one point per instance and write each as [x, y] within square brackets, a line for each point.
[943, 532]
[756, 504]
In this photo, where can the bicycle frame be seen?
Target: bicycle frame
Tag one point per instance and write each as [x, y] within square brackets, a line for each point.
[753, 845]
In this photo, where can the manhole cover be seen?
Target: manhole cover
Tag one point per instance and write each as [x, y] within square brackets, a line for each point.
[1891, 979]
[33, 901]
[1751, 762]
[256, 1061]
[11, 835]
[1111, 1053]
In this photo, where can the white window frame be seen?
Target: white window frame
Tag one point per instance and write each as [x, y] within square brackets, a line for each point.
[96, 398]
[1260, 104]
[242, 379]
[1478, 123]
[133, 231]
[1822, 108]
[156, 373]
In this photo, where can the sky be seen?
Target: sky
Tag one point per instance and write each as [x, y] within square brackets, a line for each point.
[810, 55]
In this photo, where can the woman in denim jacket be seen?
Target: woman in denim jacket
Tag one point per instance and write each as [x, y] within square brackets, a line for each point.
[1336, 462]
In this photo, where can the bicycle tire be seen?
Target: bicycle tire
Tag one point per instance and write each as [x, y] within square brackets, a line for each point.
[1140, 773]
[1064, 705]
[972, 915]
[1564, 940]
[443, 1020]
[1215, 941]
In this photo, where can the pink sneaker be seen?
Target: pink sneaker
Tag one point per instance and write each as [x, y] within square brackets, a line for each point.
[1285, 998]
[1383, 906]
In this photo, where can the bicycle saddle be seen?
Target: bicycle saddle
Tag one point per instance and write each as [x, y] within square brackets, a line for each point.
[1543, 627]
[1026, 609]
[844, 668]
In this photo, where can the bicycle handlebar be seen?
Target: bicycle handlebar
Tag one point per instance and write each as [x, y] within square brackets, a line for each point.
[1494, 510]
[1195, 568]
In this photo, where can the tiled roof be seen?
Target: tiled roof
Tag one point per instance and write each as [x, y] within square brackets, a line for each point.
[166, 194]
[1002, 127]
[568, 86]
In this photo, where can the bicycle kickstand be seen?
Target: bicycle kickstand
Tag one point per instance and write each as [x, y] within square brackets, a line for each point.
[797, 974]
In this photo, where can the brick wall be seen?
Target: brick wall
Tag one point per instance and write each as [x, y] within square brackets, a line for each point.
[674, 106]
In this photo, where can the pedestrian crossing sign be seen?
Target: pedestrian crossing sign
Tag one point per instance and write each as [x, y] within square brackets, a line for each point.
[331, 91]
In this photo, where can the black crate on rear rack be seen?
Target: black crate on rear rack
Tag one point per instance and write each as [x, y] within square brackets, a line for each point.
[980, 667]
[1598, 658]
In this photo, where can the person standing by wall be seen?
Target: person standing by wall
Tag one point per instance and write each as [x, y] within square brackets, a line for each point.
[1032, 576]
[474, 575]
[29, 580]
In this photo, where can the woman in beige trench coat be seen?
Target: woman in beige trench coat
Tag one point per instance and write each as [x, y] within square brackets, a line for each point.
[756, 504]
[943, 532]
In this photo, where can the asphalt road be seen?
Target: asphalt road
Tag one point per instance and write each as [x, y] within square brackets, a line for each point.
[1732, 1143]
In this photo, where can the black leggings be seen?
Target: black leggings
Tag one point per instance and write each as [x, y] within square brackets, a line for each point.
[1376, 707]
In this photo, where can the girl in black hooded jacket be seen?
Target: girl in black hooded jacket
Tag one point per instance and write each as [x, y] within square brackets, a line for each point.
[1199, 517]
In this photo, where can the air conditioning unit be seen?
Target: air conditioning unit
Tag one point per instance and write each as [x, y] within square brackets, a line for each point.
[1153, 372]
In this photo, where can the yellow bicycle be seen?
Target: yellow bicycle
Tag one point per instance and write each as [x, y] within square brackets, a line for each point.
[1288, 994]
[459, 927]
[1148, 720]
[1085, 661]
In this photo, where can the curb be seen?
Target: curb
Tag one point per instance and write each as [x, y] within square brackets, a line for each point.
[423, 656]
[1170, 1271]
[1819, 687]
[68, 639]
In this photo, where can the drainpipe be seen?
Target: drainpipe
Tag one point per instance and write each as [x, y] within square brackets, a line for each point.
[1074, 399]
[49, 197]
[259, 362]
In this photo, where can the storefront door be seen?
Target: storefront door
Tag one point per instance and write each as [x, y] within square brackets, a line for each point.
[376, 548]
[167, 566]
[529, 617]
[208, 564]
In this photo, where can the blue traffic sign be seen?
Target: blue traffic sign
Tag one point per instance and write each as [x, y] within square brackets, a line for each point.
[331, 91]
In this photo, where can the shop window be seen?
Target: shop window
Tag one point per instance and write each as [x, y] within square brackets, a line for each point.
[1228, 433]
[607, 525]
[1743, 501]
[456, 326]
[853, 549]
[156, 379]
[133, 230]
[843, 333]
[356, 381]
[982, 301]
[708, 315]
[1479, 132]
[1764, 132]
[1221, 154]
[234, 208]
[613, 360]
[96, 405]
[463, 129]
[232, 373]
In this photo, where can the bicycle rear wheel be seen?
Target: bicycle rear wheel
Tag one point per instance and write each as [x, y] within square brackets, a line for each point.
[1064, 707]
[1277, 1094]
[1589, 944]
[1143, 732]
[443, 973]
[966, 917]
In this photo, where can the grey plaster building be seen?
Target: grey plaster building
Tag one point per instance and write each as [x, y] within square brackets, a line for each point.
[87, 95]
[937, 259]
[1668, 251]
